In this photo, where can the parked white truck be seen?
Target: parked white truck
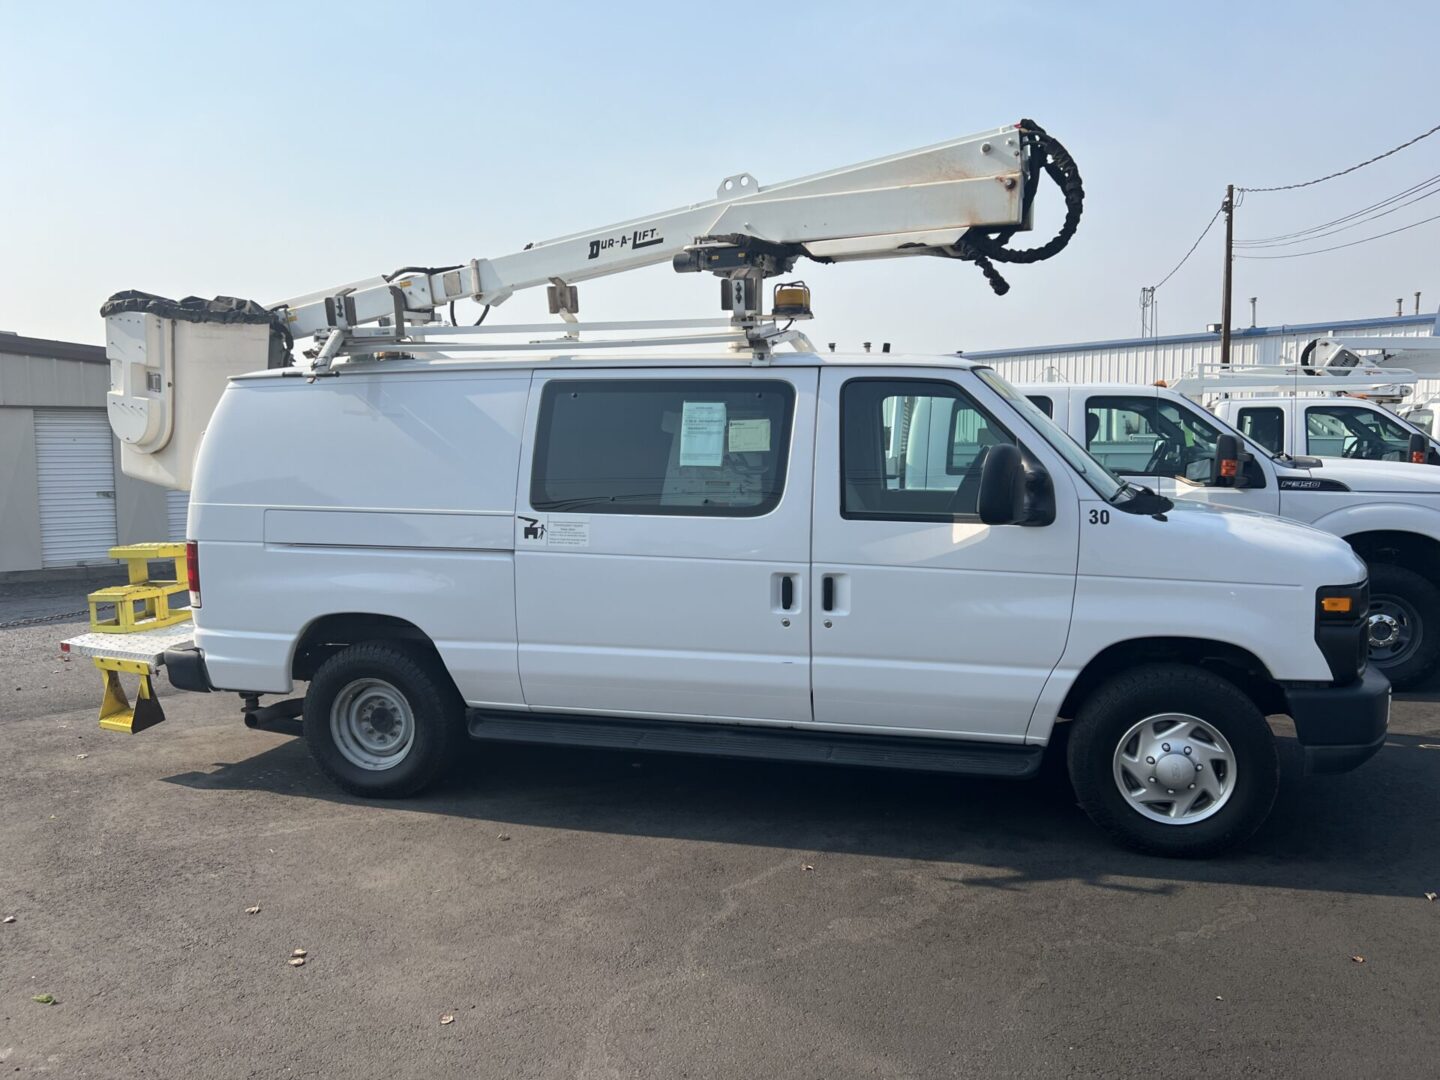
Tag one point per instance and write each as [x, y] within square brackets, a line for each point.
[742, 552]
[1388, 512]
[1300, 425]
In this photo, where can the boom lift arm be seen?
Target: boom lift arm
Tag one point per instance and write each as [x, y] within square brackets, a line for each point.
[960, 199]
[963, 199]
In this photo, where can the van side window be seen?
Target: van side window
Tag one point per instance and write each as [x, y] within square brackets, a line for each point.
[912, 449]
[1146, 436]
[1044, 403]
[1265, 424]
[698, 447]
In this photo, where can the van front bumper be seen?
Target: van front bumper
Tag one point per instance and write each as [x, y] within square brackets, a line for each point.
[1340, 727]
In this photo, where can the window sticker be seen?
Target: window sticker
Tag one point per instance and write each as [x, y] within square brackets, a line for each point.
[749, 436]
[702, 433]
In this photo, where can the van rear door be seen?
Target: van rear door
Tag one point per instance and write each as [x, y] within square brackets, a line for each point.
[662, 543]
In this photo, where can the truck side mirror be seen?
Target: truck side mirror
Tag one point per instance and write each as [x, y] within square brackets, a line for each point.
[1228, 469]
[1011, 494]
[1419, 449]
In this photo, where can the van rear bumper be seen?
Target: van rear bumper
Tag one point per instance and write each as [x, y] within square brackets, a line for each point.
[186, 666]
[1340, 727]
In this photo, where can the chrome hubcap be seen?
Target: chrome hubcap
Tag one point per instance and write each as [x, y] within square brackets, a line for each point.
[1393, 630]
[372, 724]
[1175, 769]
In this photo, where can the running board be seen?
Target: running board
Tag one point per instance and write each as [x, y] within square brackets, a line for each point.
[1004, 760]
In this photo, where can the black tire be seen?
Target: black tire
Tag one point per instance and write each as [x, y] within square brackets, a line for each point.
[1421, 599]
[436, 715]
[1119, 704]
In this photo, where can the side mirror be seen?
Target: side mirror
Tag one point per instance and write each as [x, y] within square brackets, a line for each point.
[1419, 449]
[1002, 486]
[1011, 494]
[1228, 469]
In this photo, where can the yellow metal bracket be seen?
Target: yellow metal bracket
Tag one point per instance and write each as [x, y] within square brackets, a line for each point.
[116, 713]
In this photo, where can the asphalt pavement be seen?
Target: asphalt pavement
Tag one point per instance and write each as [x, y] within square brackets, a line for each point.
[557, 913]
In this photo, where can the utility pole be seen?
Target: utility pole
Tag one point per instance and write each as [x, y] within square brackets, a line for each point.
[1225, 288]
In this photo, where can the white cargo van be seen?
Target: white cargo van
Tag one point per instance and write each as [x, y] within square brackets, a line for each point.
[1389, 512]
[814, 559]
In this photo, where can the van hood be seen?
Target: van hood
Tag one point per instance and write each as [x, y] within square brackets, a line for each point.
[1199, 542]
[1370, 475]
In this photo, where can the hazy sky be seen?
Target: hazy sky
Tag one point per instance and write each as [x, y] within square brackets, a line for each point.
[267, 150]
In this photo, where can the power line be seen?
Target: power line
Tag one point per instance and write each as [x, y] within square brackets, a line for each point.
[1266, 241]
[1337, 247]
[1193, 246]
[1352, 168]
[1313, 235]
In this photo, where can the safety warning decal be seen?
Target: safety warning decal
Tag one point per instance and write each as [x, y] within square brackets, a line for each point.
[553, 531]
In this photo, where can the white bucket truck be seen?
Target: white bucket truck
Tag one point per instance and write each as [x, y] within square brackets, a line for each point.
[737, 551]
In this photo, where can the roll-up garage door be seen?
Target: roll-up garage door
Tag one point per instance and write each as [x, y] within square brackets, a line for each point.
[177, 505]
[76, 473]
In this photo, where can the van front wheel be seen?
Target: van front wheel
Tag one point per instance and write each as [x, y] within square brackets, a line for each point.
[380, 718]
[1173, 760]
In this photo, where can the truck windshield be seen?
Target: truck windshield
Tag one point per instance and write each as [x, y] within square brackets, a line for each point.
[1106, 483]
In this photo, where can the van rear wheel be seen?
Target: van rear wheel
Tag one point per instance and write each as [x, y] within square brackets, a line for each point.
[381, 718]
[1173, 760]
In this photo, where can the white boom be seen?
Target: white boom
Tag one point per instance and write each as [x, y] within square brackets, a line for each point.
[1422, 353]
[962, 199]
[914, 203]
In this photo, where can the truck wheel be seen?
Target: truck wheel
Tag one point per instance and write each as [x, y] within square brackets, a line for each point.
[1173, 760]
[381, 719]
[1404, 624]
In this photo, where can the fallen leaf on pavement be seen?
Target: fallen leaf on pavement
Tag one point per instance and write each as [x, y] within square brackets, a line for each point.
[447, 1019]
[253, 910]
[44, 999]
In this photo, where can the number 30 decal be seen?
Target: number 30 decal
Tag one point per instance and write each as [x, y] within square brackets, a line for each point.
[1099, 517]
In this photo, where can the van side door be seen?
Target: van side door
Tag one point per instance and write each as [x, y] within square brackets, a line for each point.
[662, 543]
[924, 620]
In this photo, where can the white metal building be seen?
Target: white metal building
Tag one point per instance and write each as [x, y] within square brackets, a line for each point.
[63, 500]
[1143, 360]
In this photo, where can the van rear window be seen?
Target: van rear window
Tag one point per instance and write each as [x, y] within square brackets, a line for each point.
[696, 447]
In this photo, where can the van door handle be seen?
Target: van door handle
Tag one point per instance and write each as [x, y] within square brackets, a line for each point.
[787, 592]
[827, 592]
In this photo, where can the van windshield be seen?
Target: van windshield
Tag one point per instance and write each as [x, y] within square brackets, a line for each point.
[1106, 483]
